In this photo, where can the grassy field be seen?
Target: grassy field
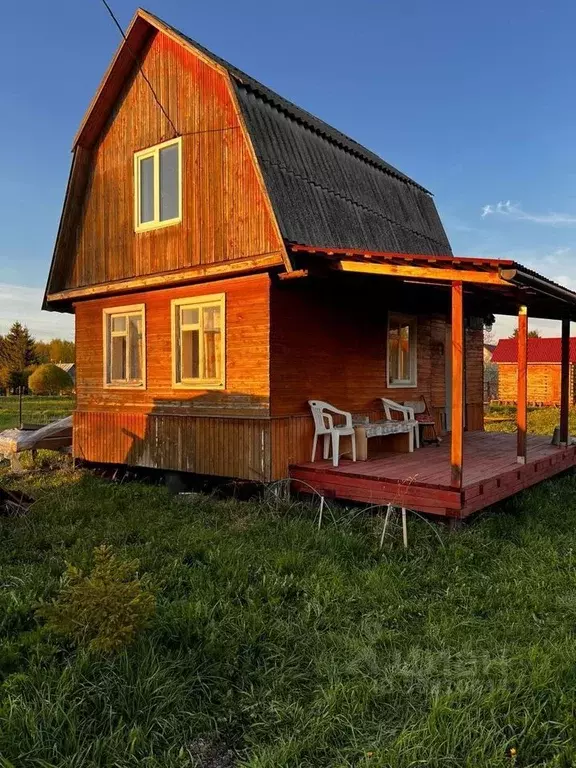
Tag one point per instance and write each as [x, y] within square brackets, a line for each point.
[277, 644]
[35, 410]
[541, 421]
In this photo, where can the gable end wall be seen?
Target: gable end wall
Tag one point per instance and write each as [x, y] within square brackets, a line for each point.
[226, 212]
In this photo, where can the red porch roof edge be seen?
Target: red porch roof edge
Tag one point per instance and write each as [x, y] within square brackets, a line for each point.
[467, 260]
[540, 350]
[511, 272]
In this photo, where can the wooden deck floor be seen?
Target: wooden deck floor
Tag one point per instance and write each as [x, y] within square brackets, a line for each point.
[421, 480]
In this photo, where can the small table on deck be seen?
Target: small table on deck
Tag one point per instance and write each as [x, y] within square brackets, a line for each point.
[366, 429]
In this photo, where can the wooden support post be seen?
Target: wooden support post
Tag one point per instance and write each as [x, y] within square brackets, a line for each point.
[565, 383]
[522, 396]
[457, 439]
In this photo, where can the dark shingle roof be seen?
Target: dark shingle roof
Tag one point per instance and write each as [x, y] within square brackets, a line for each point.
[326, 189]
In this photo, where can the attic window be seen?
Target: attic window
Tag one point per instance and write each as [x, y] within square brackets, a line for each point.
[158, 186]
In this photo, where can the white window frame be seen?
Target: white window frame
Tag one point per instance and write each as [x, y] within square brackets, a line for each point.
[127, 311]
[154, 152]
[209, 300]
[411, 321]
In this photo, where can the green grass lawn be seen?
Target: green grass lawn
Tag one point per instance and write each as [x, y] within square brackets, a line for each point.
[277, 644]
[35, 410]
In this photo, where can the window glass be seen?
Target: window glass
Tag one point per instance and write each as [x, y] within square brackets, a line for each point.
[118, 323]
[401, 345]
[404, 353]
[125, 348]
[135, 339]
[169, 202]
[393, 355]
[211, 317]
[118, 362]
[211, 327]
[147, 190]
[190, 341]
[190, 316]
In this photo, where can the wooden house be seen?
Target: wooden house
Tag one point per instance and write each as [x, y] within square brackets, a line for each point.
[488, 352]
[228, 256]
[544, 370]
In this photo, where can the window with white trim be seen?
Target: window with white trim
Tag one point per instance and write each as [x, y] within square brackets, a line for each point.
[401, 345]
[199, 342]
[124, 346]
[158, 185]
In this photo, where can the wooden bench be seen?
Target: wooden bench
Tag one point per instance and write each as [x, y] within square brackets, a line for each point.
[366, 429]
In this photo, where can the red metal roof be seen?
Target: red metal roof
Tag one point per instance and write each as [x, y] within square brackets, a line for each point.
[543, 350]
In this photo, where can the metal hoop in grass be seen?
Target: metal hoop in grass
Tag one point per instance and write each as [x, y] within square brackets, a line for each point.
[377, 507]
[281, 491]
[431, 526]
[390, 508]
[404, 510]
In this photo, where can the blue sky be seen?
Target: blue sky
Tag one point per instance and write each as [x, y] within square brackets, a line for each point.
[474, 100]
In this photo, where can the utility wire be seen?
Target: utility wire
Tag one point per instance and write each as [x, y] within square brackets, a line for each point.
[140, 67]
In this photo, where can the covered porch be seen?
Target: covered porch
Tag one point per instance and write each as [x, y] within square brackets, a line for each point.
[470, 470]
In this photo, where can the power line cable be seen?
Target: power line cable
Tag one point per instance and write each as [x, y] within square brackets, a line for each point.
[140, 68]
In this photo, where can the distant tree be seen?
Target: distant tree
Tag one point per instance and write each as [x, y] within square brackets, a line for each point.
[490, 382]
[42, 349]
[531, 334]
[2, 383]
[489, 336]
[55, 351]
[49, 379]
[62, 351]
[17, 356]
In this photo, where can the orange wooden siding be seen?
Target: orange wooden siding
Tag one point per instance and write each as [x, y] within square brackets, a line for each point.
[328, 342]
[226, 213]
[474, 370]
[225, 447]
[247, 354]
[543, 382]
[285, 344]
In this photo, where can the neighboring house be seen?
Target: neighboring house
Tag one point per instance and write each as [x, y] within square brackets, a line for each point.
[544, 375]
[70, 369]
[229, 256]
[488, 351]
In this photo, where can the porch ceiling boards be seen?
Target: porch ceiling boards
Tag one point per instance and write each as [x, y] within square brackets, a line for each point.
[421, 480]
[497, 285]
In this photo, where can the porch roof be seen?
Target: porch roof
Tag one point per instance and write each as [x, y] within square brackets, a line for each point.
[497, 285]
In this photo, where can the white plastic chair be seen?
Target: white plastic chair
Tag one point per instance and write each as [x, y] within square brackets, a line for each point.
[324, 425]
[407, 415]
